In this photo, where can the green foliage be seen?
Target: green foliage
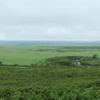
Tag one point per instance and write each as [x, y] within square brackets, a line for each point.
[73, 61]
[49, 83]
[95, 56]
[61, 93]
[0, 63]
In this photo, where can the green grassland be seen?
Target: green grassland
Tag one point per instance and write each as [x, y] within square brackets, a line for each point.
[28, 54]
[46, 82]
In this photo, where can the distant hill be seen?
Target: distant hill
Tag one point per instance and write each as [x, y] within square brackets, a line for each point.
[50, 42]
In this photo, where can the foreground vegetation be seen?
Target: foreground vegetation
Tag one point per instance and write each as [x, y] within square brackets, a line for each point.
[50, 83]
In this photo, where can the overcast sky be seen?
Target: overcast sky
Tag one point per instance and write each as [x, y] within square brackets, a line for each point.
[50, 20]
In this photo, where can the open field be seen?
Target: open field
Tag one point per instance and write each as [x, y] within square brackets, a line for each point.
[32, 53]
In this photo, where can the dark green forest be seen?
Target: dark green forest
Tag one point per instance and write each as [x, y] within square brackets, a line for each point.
[74, 61]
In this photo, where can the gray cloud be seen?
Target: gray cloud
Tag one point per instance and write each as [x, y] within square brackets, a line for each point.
[49, 19]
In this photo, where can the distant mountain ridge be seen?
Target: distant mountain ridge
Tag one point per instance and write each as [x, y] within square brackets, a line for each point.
[49, 42]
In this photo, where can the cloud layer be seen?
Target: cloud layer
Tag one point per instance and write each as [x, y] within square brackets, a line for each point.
[49, 20]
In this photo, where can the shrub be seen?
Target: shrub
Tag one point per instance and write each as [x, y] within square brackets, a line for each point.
[0, 62]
